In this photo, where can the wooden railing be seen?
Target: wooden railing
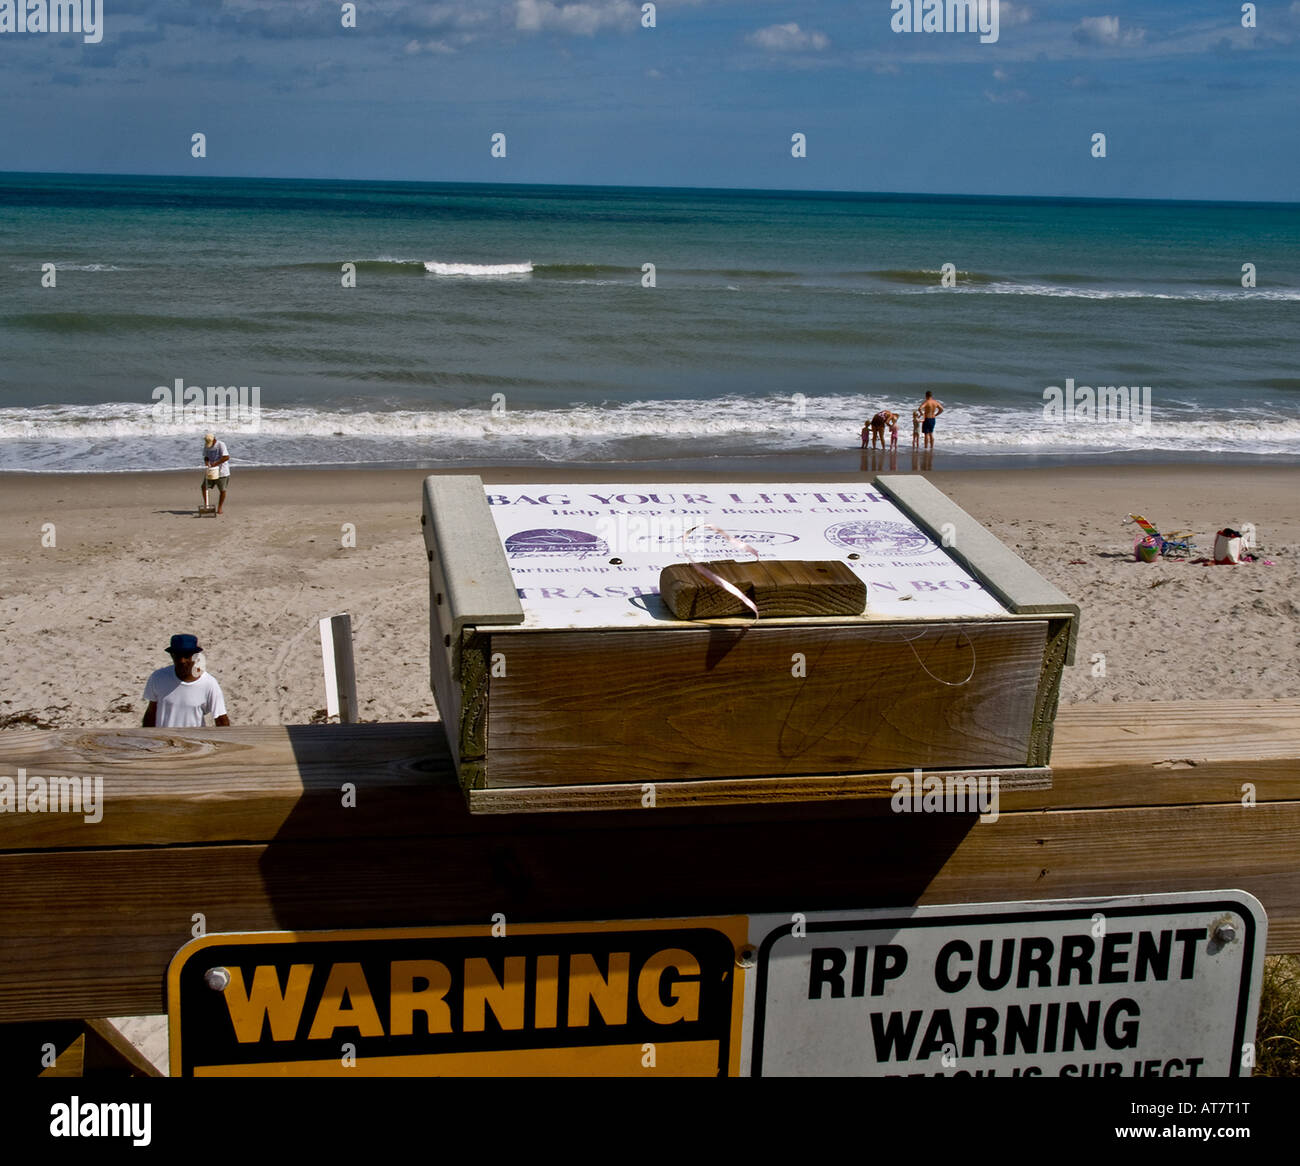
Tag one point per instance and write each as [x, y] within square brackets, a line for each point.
[349, 826]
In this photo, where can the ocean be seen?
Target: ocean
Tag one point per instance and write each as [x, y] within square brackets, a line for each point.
[516, 325]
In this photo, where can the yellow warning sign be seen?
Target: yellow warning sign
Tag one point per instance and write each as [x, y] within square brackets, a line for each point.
[659, 997]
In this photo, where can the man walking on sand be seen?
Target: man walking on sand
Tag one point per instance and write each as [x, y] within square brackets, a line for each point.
[930, 410]
[179, 696]
[216, 469]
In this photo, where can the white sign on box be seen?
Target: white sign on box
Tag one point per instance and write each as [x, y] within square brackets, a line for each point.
[1139, 986]
[590, 555]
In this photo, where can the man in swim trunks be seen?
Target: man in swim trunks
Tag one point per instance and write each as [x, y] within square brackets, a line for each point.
[930, 410]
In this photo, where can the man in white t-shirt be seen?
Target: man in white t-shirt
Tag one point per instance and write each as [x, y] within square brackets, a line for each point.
[216, 457]
[179, 696]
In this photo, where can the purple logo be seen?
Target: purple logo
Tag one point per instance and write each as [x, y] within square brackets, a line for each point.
[882, 539]
[555, 542]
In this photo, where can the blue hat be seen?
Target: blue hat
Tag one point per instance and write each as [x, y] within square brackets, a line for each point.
[184, 645]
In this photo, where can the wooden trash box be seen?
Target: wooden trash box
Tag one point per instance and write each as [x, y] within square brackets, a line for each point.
[564, 682]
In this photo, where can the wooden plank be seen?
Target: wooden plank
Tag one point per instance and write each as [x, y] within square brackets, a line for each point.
[340, 669]
[91, 932]
[466, 552]
[233, 784]
[1171, 752]
[743, 791]
[469, 580]
[1048, 698]
[250, 783]
[1161, 732]
[81, 1048]
[775, 587]
[583, 708]
[108, 1050]
[1014, 582]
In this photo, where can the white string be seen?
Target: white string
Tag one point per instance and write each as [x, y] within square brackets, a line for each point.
[950, 683]
[713, 576]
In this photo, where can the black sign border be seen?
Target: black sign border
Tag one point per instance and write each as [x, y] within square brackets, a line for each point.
[731, 1042]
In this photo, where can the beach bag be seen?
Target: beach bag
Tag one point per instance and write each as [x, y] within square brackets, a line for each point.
[1146, 548]
[1227, 546]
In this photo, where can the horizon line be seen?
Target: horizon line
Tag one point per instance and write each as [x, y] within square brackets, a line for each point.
[733, 190]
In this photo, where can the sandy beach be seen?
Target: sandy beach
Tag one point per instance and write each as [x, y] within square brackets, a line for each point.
[86, 618]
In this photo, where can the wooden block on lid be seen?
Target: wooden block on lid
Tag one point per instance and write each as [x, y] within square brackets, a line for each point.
[777, 588]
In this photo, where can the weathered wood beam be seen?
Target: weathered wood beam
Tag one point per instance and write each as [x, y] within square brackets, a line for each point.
[247, 828]
[91, 932]
[255, 784]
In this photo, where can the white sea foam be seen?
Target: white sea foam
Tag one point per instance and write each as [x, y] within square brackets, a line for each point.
[124, 436]
[434, 267]
[72, 267]
[1056, 291]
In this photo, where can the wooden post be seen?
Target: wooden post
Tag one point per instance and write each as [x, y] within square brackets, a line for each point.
[340, 674]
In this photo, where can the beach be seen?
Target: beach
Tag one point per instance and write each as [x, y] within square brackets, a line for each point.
[101, 569]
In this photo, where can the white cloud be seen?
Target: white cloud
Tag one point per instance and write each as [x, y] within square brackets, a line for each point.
[1105, 30]
[459, 15]
[583, 18]
[428, 46]
[1010, 14]
[788, 38]
[1000, 75]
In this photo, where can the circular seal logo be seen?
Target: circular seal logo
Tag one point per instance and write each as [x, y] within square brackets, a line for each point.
[879, 538]
[555, 542]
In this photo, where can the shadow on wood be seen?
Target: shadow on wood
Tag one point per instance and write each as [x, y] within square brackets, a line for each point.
[254, 829]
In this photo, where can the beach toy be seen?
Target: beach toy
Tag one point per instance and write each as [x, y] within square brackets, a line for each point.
[1146, 549]
[1174, 546]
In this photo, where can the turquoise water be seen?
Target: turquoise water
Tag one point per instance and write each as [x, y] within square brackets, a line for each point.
[777, 323]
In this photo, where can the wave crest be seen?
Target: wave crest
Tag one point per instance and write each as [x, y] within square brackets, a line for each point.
[435, 267]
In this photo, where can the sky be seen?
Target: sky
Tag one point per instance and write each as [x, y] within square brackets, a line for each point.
[1192, 104]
